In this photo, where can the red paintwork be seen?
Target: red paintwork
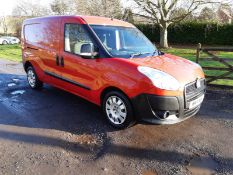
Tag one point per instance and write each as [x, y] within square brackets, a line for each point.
[99, 74]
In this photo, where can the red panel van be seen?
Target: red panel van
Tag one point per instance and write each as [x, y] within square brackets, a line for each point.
[112, 64]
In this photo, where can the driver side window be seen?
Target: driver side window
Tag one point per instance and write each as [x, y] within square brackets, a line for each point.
[76, 38]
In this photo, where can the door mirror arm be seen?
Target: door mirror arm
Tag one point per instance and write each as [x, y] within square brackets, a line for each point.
[89, 55]
[88, 51]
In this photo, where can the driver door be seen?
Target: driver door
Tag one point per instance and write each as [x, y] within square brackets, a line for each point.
[77, 72]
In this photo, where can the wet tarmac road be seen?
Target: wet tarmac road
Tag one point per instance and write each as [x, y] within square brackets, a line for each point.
[54, 132]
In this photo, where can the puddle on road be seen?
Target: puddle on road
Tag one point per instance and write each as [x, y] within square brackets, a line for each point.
[202, 166]
[16, 80]
[18, 92]
[11, 84]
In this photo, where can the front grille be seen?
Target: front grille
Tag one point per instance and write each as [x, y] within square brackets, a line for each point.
[192, 92]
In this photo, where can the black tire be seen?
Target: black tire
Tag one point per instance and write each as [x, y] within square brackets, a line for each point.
[37, 85]
[4, 42]
[129, 120]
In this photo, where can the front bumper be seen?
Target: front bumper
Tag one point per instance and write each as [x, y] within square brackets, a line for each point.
[167, 109]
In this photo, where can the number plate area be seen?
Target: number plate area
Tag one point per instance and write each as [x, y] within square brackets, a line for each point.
[196, 102]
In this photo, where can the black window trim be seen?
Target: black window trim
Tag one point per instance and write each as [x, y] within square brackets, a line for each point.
[92, 36]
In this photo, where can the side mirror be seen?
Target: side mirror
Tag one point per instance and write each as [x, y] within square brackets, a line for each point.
[88, 51]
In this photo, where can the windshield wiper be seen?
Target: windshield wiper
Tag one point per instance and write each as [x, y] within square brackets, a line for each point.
[138, 54]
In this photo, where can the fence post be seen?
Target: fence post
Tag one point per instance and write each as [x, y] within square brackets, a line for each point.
[198, 52]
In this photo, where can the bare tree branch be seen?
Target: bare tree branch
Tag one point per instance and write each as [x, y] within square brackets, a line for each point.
[160, 12]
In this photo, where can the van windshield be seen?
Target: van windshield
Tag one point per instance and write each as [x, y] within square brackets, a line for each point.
[124, 42]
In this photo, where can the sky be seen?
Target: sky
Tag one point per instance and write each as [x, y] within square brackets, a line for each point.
[6, 6]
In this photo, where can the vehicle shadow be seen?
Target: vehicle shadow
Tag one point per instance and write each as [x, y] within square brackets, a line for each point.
[113, 149]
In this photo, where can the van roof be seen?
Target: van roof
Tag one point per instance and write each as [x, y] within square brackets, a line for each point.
[95, 20]
[91, 20]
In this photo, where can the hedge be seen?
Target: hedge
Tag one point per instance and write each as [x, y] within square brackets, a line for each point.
[192, 33]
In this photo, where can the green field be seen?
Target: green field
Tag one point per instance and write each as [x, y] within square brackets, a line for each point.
[13, 53]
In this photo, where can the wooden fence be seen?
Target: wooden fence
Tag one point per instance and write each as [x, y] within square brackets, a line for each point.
[226, 68]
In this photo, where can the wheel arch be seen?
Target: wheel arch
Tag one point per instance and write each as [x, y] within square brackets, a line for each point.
[27, 64]
[131, 117]
[109, 89]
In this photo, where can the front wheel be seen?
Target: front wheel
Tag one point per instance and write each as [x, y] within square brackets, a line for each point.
[118, 110]
[33, 80]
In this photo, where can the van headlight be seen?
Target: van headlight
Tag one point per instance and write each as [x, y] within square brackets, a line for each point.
[160, 79]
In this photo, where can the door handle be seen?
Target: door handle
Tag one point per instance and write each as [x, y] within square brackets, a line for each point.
[62, 61]
[57, 60]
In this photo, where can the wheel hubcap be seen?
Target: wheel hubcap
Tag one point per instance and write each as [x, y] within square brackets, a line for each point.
[31, 78]
[116, 110]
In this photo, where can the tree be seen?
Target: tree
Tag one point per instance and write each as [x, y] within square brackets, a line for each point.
[128, 16]
[63, 7]
[25, 9]
[106, 8]
[3, 23]
[182, 11]
[224, 13]
[29, 8]
[160, 12]
[15, 23]
[207, 14]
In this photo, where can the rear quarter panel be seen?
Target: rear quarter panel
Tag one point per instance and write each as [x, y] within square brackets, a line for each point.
[40, 43]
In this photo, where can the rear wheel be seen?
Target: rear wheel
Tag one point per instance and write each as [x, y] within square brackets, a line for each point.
[32, 78]
[4, 42]
[118, 110]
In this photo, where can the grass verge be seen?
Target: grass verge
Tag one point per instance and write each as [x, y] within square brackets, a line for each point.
[11, 52]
